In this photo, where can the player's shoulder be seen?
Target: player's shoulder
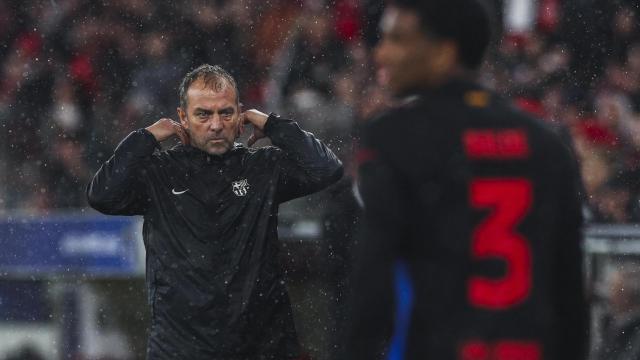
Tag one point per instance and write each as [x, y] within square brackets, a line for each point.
[391, 121]
[542, 135]
[395, 112]
[539, 129]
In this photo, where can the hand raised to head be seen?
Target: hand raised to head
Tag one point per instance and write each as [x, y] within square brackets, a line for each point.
[165, 128]
[258, 119]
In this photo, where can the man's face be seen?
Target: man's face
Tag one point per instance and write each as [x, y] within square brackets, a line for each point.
[406, 57]
[212, 118]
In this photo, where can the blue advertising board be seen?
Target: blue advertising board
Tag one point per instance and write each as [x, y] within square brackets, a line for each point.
[74, 245]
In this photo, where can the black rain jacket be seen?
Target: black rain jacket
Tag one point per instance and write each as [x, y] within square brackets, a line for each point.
[210, 232]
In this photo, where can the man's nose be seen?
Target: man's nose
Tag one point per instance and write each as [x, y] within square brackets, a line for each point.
[216, 123]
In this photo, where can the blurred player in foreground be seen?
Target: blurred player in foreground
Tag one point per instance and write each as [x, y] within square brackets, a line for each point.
[475, 203]
[210, 209]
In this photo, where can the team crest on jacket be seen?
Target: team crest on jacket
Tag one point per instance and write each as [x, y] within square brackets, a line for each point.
[240, 187]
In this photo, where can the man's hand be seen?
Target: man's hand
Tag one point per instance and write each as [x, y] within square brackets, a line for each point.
[258, 119]
[166, 128]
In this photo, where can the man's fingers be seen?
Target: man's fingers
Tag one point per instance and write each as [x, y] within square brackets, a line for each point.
[255, 117]
[185, 136]
[252, 139]
[162, 129]
[182, 136]
[180, 132]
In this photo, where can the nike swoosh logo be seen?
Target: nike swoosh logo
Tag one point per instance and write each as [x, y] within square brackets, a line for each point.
[174, 192]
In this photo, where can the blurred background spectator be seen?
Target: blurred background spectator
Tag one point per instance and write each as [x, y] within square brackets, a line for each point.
[77, 76]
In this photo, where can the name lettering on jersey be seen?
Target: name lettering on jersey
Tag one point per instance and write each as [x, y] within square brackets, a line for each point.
[505, 144]
[240, 187]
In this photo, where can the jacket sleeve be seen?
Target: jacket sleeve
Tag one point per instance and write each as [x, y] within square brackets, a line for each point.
[117, 188]
[378, 254]
[308, 165]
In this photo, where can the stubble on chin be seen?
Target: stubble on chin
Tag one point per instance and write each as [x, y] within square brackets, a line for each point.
[217, 149]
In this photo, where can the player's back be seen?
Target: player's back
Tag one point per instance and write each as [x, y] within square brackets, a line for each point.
[491, 227]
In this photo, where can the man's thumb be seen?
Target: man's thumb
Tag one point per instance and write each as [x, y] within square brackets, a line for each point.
[251, 140]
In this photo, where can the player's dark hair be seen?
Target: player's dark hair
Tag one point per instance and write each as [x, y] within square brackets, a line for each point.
[466, 22]
[213, 76]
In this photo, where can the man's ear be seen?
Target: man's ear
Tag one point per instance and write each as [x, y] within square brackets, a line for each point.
[240, 126]
[182, 115]
[240, 120]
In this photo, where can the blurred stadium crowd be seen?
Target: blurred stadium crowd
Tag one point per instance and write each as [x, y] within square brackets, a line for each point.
[78, 75]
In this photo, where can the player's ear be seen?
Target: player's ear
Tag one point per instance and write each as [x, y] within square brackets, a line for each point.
[182, 115]
[446, 57]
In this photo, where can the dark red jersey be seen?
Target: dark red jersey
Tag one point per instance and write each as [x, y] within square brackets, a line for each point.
[480, 204]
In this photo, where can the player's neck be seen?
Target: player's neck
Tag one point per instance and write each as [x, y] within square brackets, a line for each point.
[455, 75]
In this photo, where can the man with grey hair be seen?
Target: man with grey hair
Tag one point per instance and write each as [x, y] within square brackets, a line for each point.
[210, 209]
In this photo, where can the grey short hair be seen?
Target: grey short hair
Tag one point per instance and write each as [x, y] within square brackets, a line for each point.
[214, 77]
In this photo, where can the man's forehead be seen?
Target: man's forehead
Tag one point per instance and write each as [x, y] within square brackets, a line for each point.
[200, 91]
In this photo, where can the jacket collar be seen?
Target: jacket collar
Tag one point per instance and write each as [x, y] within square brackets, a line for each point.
[202, 157]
